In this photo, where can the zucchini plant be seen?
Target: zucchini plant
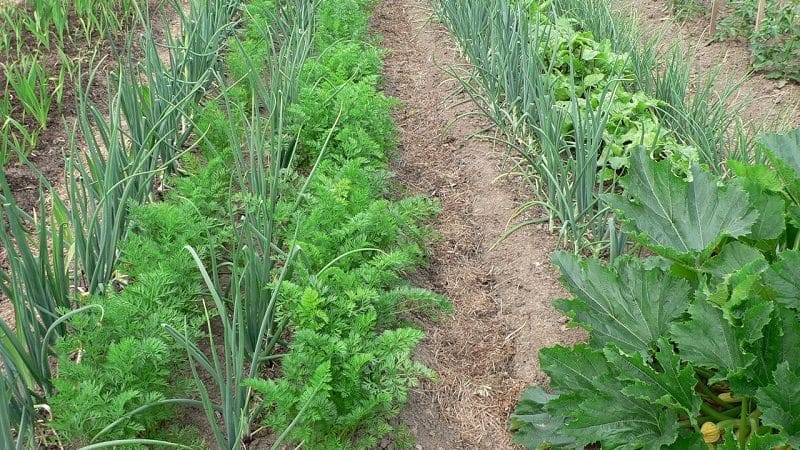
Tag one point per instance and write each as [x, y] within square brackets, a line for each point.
[695, 344]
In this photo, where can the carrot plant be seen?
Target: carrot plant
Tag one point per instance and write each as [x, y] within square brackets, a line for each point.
[694, 345]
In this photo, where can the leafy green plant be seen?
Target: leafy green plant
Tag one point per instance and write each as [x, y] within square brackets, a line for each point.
[32, 86]
[108, 371]
[687, 9]
[16, 140]
[776, 45]
[690, 345]
[700, 115]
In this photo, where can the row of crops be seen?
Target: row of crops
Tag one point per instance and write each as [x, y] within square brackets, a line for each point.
[226, 267]
[770, 27]
[683, 231]
[45, 45]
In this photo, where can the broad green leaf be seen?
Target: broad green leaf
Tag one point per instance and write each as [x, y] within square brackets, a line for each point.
[625, 305]
[690, 440]
[753, 315]
[779, 343]
[730, 441]
[568, 371]
[783, 277]
[760, 174]
[617, 424]
[732, 258]
[533, 427]
[779, 403]
[671, 385]
[771, 209]
[601, 412]
[738, 287]
[785, 146]
[679, 216]
[709, 340]
[593, 79]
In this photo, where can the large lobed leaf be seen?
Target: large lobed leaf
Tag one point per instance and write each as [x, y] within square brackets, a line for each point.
[534, 428]
[780, 404]
[709, 340]
[629, 306]
[785, 146]
[677, 215]
[783, 277]
[673, 386]
[598, 409]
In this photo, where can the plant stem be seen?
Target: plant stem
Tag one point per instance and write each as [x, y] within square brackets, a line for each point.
[706, 408]
[744, 425]
[712, 396]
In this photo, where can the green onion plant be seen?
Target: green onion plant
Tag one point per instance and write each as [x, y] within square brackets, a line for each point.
[31, 85]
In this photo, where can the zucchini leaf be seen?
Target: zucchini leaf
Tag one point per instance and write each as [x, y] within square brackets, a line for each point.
[779, 403]
[680, 217]
[783, 277]
[672, 385]
[599, 410]
[708, 340]
[779, 343]
[534, 428]
[629, 305]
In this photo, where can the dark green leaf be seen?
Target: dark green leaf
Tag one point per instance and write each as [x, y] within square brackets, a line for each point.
[709, 340]
[678, 216]
[785, 146]
[671, 385]
[731, 258]
[533, 427]
[754, 441]
[779, 403]
[779, 342]
[591, 393]
[784, 278]
[627, 305]
[771, 209]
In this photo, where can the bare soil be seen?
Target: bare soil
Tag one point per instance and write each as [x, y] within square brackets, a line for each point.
[54, 142]
[771, 104]
[487, 352]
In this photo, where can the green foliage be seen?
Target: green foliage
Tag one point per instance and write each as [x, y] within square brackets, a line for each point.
[713, 312]
[687, 9]
[776, 46]
[346, 297]
[112, 366]
[364, 126]
[572, 104]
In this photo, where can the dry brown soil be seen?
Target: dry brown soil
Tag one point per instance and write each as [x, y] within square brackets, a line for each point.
[502, 298]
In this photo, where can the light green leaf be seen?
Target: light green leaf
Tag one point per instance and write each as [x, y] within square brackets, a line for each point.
[738, 287]
[760, 174]
[593, 79]
[670, 386]
[589, 54]
[779, 404]
[708, 340]
[681, 217]
[628, 306]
